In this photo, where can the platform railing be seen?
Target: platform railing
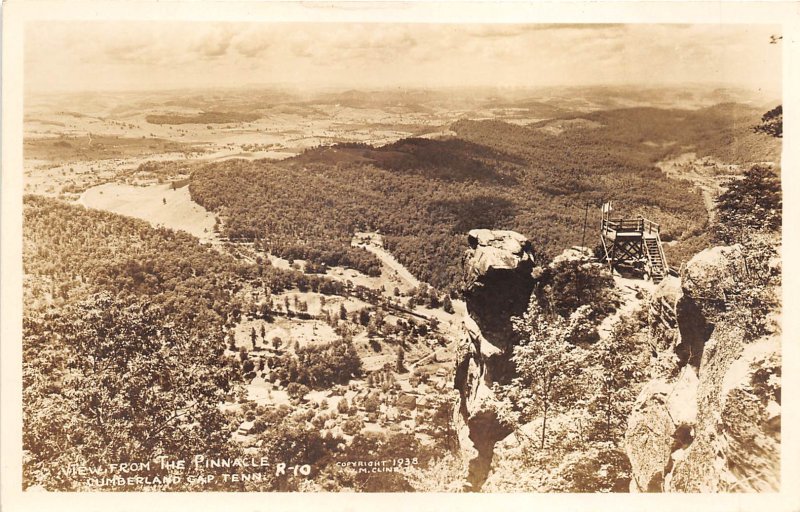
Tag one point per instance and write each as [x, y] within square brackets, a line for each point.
[640, 225]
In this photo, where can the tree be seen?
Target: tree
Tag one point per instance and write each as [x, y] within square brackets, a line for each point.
[297, 391]
[372, 402]
[750, 215]
[447, 305]
[373, 328]
[401, 357]
[352, 426]
[547, 361]
[771, 123]
[128, 384]
[248, 366]
[752, 203]
[263, 331]
[620, 360]
[276, 342]
[433, 299]
[343, 406]
[342, 312]
[253, 336]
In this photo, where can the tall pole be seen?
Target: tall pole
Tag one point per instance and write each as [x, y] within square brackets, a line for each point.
[585, 218]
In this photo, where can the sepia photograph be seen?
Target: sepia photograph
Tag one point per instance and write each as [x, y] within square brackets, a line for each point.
[390, 256]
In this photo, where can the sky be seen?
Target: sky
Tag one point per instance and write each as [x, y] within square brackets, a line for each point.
[97, 56]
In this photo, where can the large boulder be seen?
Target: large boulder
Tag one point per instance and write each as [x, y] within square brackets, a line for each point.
[497, 286]
[497, 282]
[711, 276]
[712, 422]
[660, 424]
[736, 447]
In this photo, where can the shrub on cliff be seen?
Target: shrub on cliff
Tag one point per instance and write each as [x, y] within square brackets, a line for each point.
[771, 123]
[568, 285]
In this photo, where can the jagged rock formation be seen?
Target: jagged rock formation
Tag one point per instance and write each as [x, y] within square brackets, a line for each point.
[709, 420]
[497, 285]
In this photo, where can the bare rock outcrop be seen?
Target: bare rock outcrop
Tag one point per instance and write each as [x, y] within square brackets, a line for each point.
[710, 419]
[660, 425]
[497, 286]
[662, 316]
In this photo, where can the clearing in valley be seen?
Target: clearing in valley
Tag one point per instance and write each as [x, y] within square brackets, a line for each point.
[160, 205]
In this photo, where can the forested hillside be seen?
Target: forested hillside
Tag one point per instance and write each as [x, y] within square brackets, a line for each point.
[724, 131]
[71, 252]
[424, 195]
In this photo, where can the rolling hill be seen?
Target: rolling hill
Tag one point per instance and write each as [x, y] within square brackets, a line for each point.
[423, 195]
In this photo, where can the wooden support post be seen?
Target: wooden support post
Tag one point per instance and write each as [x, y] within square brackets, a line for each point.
[585, 219]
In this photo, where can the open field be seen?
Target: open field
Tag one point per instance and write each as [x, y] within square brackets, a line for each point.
[160, 205]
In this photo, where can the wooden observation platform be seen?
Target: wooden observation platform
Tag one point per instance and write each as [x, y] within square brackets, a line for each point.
[634, 242]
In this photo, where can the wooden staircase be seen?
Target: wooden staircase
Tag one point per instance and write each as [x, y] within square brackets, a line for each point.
[656, 261]
[633, 241]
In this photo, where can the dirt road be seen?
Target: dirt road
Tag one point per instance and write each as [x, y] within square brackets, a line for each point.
[703, 173]
[387, 259]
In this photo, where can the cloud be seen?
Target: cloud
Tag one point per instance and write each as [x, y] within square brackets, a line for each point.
[502, 30]
[141, 54]
[252, 48]
[131, 52]
[214, 44]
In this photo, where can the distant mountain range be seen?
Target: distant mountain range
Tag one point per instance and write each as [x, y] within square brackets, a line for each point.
[541, 102]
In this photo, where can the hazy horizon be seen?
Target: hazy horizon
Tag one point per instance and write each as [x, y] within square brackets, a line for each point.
[296, 90]
[116, 57]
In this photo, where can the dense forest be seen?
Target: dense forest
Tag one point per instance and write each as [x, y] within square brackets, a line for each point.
[111, 300]
[424, 195]
[123, 340]
[99, 147]
[113, 379]
[71, 252]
